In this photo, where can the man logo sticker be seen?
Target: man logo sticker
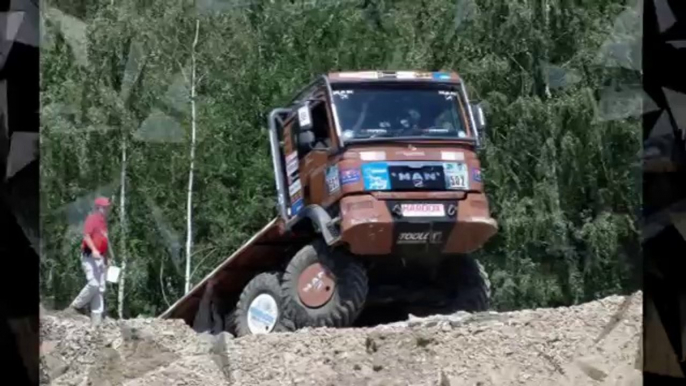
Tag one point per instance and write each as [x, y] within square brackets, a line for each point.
[433, 176]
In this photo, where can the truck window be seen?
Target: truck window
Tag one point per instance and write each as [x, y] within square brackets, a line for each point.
[320, 128]
[371, 111]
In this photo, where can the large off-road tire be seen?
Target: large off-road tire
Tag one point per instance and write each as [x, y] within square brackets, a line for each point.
[469, 288]
[259, 309]
[324, 288]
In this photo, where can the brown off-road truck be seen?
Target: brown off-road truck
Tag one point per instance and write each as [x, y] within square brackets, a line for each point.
[380, 202]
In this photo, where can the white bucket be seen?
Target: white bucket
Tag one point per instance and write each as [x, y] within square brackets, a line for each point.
[113, 274]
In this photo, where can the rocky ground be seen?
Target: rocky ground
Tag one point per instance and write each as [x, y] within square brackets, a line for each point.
[592, 344]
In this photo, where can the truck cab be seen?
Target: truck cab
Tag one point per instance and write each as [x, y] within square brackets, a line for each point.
[384, 163]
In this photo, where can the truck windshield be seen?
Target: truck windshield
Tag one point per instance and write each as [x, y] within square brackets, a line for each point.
[387, 112]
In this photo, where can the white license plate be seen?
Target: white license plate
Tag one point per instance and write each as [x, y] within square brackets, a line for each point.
[422, 210]
[457, 175]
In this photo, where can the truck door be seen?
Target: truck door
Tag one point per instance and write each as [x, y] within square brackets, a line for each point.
[318, 175]
[303, 146]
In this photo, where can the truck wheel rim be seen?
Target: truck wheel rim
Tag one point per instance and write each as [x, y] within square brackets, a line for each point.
[262, 314]
[315, 286]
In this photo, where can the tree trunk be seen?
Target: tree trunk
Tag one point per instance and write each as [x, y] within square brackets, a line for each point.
[540, 51]
[122, 236]
[189, 207]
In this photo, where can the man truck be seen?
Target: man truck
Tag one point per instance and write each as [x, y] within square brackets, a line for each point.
[381, 202]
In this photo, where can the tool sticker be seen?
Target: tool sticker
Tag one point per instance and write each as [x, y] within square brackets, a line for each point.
[333, 183]
[350, 176]
[420, 237]
[456, 175]
[376, 176]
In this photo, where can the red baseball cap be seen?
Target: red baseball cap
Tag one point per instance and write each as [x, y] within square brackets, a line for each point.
[102, 201]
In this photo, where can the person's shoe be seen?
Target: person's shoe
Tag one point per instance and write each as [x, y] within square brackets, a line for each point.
[73, 311]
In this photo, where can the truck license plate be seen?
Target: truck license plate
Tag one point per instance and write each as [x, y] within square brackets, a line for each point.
[422, 210]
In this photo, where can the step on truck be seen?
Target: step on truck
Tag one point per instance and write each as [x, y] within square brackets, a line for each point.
[380, 204]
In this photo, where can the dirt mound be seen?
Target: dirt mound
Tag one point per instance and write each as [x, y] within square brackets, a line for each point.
[592, 344]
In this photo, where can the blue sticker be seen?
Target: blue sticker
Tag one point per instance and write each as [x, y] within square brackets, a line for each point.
[350, 176]
[260, 316]
[476, 175]
[441, 75]
[296, 207]
[376, 176]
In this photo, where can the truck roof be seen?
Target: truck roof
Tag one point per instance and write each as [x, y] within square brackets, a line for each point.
[409, 76]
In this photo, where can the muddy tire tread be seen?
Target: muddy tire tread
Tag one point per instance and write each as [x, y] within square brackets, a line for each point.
[350, 291]
[473, 286]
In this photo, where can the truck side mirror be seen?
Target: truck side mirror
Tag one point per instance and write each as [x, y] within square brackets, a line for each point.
[479, 117]
[480, 121]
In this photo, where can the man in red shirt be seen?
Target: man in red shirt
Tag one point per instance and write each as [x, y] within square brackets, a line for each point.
[94, 261]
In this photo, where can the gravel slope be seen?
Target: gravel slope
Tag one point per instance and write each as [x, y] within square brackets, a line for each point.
[592, 344]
